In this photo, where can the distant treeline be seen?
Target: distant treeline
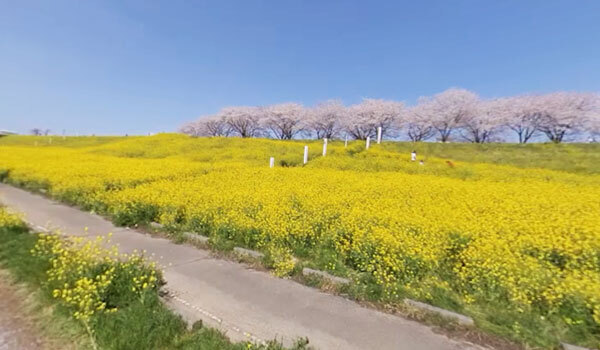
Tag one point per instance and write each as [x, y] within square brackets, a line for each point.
[453, 115]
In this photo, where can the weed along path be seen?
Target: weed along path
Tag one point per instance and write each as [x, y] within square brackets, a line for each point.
[242, 302]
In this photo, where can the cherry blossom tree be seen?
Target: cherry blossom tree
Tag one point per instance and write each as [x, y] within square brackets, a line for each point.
[364, 118]
[191, 128]
[417, 123]
[558, 115]
[283, 120]
[214, 125]
[592, 124]
[565, 113]
[594, 129]
[325, 119]
[485, 121]
[243, 120]
[522, 115]
[449, 109]
[40, 132]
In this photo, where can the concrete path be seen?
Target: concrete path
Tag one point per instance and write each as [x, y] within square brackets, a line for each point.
[242, 302]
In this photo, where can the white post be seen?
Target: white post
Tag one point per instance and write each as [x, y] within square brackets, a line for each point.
[272, 162]
[378, 134]
[305, 154]
[346, 142]
[368, 141]
[324, 147]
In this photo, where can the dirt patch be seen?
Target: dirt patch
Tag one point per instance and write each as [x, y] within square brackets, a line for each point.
[17, 331]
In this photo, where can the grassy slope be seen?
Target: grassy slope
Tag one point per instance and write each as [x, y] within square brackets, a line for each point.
[573, 158]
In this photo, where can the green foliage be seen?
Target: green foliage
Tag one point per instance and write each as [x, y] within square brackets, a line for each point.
[140, 322]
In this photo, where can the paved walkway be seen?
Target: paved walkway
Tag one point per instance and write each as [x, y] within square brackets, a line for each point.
[242, 302]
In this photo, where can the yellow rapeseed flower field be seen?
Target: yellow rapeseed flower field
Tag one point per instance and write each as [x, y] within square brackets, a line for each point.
[524, 236]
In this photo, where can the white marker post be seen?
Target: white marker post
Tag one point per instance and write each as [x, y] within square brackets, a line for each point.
[305, 154]
[368, 141]
[378, 134]
[324, 147]
[272, 162]
[346, 142]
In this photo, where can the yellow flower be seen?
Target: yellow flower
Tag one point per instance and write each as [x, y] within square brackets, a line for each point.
[484, 231]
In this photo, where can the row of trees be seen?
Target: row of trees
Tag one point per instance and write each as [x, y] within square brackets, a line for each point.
[455, 114]
[40, 132]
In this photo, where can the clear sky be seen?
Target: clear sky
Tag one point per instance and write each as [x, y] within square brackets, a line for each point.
[116, 67]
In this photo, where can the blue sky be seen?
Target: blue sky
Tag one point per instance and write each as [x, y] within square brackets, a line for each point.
[116, 67]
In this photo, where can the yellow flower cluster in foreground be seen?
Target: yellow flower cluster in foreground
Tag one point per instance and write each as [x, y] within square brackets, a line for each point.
[9, 220]
[486, 232]
[84, 275]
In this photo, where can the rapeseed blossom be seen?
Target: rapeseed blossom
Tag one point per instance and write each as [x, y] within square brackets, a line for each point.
[528, 237]
[83, 273]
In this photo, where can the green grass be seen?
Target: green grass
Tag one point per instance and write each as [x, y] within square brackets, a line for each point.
[57, 141]
[576, 158]
[147, 325]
